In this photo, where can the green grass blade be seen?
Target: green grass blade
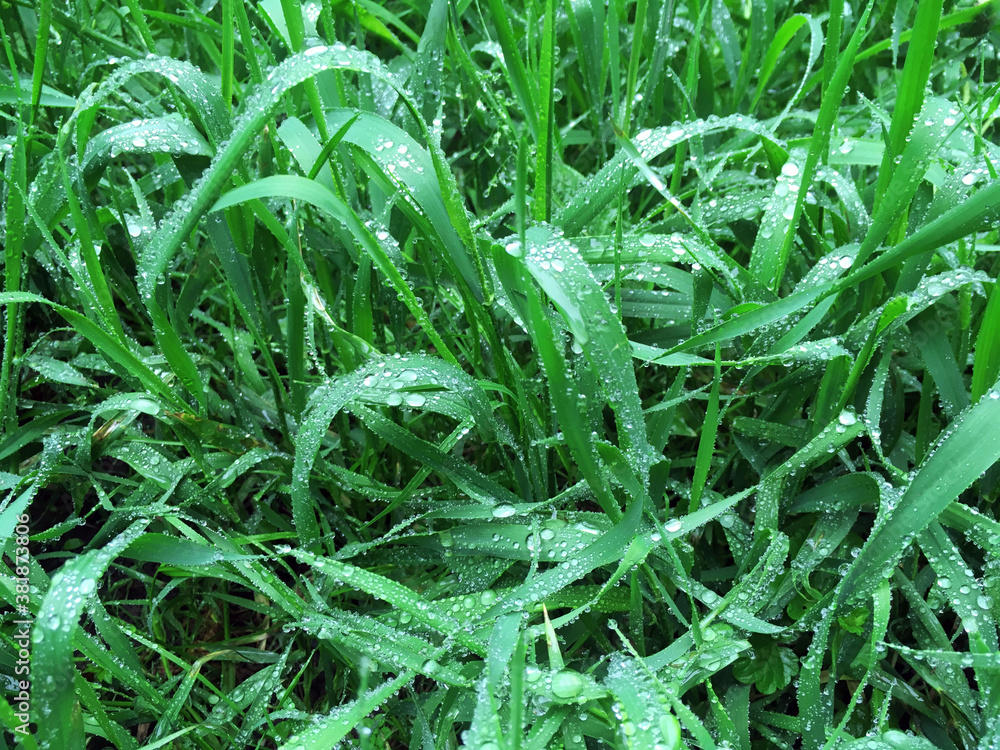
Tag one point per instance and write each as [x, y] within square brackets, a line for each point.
[542, 205]
[394, 593]
[513, 67]
[332, 728]
[706, 443]
[954, 224]
[986, 368]
[607, 549]
[53, 636]
[149, 136]
[562, 392]
[121, 358]
[374, 381]
[964, 453]
[772, 257]
[565, 278]
[910, 94]
[41, 56]
[291, 186]
[13, 281]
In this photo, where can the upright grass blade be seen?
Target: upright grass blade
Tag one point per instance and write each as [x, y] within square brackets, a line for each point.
[514, 68]
[13, 280]
[102, 293]
[910, 94]
[986, 368]
[228, 50]
[586, 20]
[546, 118]
[41, 57]
[706, 444]
[925, 139]
[769, 259]
[562, 392]
[638, 38]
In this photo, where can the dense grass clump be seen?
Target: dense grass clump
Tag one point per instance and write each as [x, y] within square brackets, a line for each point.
[473, 374]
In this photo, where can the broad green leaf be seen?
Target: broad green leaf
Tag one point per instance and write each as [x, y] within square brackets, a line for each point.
[771, 669]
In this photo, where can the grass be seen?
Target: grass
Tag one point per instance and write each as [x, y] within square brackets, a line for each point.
[467, 374]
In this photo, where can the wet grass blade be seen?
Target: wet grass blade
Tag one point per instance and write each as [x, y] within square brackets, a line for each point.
[770, 258]
[546, 131]
[910, 94]
[557, 268]
[963, 454]
[53, 636]
[291, 186]
[336, 725]
[514, 67]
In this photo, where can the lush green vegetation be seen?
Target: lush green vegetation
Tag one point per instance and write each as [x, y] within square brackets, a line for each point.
[426, 374]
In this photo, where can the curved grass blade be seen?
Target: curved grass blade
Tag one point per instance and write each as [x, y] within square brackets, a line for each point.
[607, 549]
[295, 187]
[601, 191]
[964, 452]
[782, 37]
[123, 361]
[332, 728]
[466, 477]
[153, 136]
[967, 598]
[411, 169]
[53, 635]
[258, 108]
[392, 592]
[202, 94]
[329, 400]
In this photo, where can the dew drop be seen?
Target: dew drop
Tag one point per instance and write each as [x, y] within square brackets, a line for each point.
[567, 684]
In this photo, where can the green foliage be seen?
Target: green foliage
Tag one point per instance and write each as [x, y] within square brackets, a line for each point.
[771, 668]
[501, 375]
